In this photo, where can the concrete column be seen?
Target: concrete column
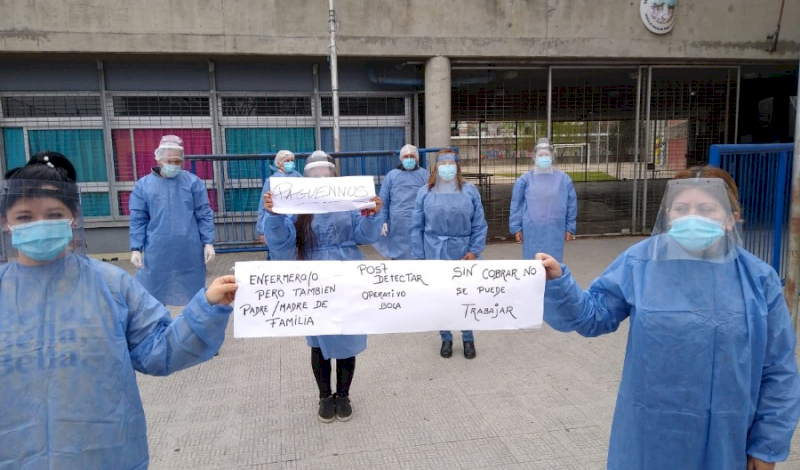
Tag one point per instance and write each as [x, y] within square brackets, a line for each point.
[437, 102]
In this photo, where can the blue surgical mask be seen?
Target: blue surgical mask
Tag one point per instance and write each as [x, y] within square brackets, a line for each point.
[544, 162]
[288, 167]
[170, 171]
[447, 172]
[696, 233]
[42, 240]
[409, 163]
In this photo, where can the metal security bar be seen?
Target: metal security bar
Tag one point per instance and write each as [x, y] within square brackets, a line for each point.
[619, 132]
[594, 112]
[497, 117]
[762, 172]
[69, 123]
[110, 136]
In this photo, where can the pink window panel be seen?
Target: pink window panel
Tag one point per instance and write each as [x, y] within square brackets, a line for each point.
[145, 141]
[123, 153]
[124, 202]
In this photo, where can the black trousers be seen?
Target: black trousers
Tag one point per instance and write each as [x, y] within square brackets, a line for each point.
[322, 373]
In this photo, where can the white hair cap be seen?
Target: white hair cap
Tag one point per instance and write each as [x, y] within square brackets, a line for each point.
[282, 156]
[409, 149]
[169, 142]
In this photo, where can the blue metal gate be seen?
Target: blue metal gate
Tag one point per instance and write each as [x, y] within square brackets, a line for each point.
[763, 174]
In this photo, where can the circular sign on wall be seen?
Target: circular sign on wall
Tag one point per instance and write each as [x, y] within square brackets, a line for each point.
[658, 15]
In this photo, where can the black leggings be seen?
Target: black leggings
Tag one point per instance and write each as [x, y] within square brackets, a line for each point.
[322, 372]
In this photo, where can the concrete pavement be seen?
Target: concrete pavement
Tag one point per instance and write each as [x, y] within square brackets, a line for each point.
[535, 399]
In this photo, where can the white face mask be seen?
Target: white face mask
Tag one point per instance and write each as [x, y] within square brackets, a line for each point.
[448, 172]
[544, 161]
[170, 171]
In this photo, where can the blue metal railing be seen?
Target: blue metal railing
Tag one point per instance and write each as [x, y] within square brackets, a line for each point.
[235, 187]
[762, 172]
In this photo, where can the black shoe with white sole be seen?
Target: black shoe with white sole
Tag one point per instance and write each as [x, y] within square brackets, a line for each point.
[343, 409]
[327, 409]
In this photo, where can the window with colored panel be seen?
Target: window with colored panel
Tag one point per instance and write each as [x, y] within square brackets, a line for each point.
[358, 139]
[264, 140]
[134, 150]
[14, 147]
[240, 194]
[83, 147]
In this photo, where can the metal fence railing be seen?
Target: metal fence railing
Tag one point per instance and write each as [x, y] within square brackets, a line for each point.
[234, 184]
[762, 172]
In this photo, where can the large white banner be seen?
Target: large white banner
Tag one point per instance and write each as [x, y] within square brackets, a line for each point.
[321, 195]
[298, 298]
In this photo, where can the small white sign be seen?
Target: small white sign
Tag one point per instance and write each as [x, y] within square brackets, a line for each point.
[658, 16]
[299, 298]
[321, 195]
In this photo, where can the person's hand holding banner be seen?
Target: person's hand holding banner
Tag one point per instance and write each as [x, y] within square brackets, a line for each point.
[322, 195]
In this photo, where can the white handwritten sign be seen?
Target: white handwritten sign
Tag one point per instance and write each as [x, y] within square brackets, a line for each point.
[321, 195]
[290, 298]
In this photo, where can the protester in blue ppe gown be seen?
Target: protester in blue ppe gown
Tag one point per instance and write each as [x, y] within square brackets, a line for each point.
[398, 192]
[710, 378]
[448, 223]
[543, 207]
[171, 228]
[331, 236]
[284, 168]
[74, 330]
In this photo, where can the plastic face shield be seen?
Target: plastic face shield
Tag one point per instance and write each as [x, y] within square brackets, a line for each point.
[169, 150]
[319, 169]
[409, 151]
[696, 222]
[34, 215]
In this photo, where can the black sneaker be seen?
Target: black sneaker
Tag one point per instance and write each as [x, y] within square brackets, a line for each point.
[327, 409]
[343, 409]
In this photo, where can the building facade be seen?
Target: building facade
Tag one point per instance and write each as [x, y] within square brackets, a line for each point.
[101, 81]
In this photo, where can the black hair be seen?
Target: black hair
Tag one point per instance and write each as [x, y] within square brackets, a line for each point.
[33, 178]
[45, 166]
[305, 236]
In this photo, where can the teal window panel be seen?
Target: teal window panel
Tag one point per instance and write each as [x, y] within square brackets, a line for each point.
[242, 199]
[363, 139]
[95, 205]
[14, 147]
[83, 147]
[358, 139]
[264, 140]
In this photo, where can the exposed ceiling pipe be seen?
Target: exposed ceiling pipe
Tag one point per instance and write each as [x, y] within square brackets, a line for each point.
[420, 82]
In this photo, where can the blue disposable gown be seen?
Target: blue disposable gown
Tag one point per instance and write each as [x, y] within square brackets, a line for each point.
[336, 236]
[544, 207]
[709, 375]
[448, 225]
[72, 333]
[398, 192]
[262, 213]
[171, 220]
